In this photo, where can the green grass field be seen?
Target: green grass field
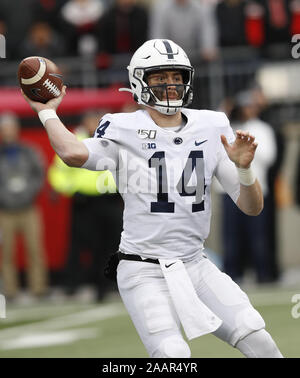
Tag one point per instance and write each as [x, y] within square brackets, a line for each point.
[105, 330]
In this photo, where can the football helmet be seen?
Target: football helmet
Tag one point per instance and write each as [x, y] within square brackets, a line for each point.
[156, 55]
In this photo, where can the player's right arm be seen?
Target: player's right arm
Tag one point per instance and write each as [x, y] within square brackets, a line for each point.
[72, 151]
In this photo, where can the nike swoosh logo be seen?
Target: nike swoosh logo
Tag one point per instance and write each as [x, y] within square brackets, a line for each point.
[198, 143]
[168, 266]
[36, 91]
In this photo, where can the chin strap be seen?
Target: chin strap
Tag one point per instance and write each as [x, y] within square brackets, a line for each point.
[126, 90]
[130, 91]
[160, 109]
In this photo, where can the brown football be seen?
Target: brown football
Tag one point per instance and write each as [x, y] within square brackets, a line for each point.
[40, 78]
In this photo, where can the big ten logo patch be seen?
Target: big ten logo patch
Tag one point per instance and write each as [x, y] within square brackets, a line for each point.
[148, 146]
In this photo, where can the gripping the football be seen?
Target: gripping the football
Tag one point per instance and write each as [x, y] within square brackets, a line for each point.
[65, 144]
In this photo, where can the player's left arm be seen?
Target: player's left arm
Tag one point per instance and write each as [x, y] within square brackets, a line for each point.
[241, 152]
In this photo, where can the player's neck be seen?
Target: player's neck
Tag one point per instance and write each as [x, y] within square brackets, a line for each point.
[163, 120]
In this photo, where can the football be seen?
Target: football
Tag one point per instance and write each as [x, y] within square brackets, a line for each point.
[40, 78]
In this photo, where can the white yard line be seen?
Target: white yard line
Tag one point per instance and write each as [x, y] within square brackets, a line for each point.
[66, 321]
[45, 339]
[43, 311]
[32, 334]
[270, 298]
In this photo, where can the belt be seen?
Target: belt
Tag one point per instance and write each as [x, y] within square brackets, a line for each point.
[125, 256]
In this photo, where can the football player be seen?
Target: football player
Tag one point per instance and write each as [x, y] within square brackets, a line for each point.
[164, 157]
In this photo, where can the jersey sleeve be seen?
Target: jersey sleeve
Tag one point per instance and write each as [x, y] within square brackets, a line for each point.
[103, 147]
[227, 130]
[226, 172]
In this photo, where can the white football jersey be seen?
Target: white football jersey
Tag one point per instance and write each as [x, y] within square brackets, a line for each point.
[164, 178]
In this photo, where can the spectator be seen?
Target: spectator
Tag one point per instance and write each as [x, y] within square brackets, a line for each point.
[17, 19]
[277, 20]
[279, 195]
[21, 179]
[96, 220]
[295, 17]
[49, 11]
[247, 240]
[252, 23]
[123, 28]
[189, 23]
[231, 22]
[42, 40]
[257, 23]
[78, 22]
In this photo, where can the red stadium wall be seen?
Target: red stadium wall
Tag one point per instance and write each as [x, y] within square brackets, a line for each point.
[75, 102]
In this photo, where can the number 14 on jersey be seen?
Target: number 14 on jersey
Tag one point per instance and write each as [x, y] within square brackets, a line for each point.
[195, 163]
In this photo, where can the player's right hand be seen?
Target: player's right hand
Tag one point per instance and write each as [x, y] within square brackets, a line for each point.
[242, 151]
[51, 104]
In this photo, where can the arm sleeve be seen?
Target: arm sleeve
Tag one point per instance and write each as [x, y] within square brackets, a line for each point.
[103, 148]
[227, 175]
[226, 172]
[103, 155]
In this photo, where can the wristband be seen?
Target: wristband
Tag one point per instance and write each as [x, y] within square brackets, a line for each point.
[46, 114]
[246, 176]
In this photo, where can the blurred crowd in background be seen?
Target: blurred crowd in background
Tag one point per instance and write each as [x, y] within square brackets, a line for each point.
[241, 51]
[70, 27]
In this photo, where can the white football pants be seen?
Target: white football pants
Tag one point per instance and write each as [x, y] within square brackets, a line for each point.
[145, 294]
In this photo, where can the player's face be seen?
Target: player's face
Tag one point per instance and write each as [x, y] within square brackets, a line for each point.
[167, 85]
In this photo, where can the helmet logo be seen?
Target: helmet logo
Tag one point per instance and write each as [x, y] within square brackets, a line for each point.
[144, 97]
[139, 73]
[166, 49]
[169, 49]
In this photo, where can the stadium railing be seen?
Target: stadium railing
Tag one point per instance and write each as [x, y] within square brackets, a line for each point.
[99, 76]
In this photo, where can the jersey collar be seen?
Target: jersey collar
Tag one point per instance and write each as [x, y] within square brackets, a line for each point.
[164, 129]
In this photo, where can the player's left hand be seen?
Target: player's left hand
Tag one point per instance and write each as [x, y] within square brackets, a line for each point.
[242, 151]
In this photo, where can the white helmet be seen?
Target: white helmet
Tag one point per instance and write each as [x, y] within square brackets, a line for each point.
[156, 55]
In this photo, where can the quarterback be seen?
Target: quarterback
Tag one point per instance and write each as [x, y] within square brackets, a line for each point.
[164, 157]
